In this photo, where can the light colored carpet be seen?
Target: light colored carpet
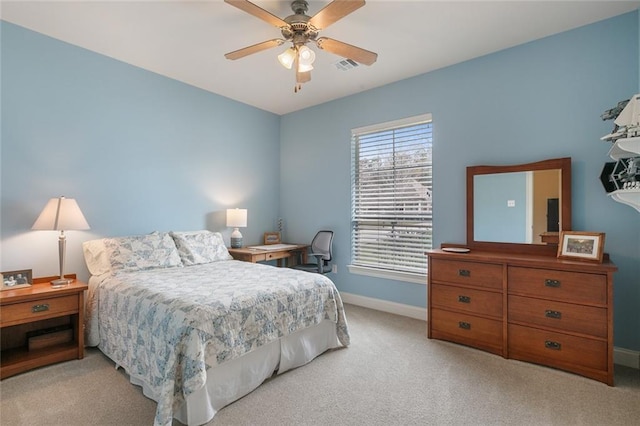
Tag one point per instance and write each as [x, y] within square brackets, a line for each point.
[390, 375]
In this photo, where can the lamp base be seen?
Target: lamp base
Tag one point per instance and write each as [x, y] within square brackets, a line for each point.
[236, 238]
[61, 282]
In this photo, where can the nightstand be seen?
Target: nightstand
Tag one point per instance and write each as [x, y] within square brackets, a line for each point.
[26, 312]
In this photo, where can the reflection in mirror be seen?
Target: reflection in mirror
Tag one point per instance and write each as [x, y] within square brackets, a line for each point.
[517, 207]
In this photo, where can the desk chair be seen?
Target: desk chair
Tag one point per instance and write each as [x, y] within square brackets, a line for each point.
[321, 249]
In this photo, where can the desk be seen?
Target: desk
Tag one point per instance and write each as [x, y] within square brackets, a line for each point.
[290, 253]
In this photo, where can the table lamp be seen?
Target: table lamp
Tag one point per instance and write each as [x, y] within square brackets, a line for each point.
[236, 218]
[61, 214]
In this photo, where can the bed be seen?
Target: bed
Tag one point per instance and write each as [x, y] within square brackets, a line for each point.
[198, 330]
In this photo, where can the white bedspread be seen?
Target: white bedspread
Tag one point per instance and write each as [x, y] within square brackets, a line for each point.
[168, 326]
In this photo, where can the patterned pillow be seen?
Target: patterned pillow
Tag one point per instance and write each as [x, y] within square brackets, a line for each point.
[156, 250]
[198, 247]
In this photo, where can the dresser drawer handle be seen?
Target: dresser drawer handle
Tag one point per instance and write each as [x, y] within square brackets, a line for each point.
[464, 325]
[464, 272]
[552, 283]
[553, 314]
[549, 344]
[40, 308]
[464, 299]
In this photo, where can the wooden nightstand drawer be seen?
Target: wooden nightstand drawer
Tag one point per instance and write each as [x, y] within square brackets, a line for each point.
[467, 300]
[17, 313]
[558, 315]
[467, 329]
[572, 287]
[557, 349]
[484, 275]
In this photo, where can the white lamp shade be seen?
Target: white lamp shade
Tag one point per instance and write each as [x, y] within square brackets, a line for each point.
[237, 218]
[287, 57]
[61, 214]
[306, 56]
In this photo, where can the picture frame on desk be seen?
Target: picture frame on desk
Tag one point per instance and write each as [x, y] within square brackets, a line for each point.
[12, 280]
[272, 238]
[587, 246]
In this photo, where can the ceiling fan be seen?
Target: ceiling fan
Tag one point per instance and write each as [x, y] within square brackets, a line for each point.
[300, 29]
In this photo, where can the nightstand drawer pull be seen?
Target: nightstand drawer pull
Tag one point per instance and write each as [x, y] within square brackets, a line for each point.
[464, 325]
[549, 344]
[464, 299]
[40, 308]
[552, 283]
[464, 272]
[553, 314]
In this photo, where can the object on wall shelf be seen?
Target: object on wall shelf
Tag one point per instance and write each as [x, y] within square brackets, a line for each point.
[621, 179]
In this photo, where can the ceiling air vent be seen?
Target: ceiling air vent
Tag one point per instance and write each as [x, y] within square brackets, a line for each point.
[346, 64]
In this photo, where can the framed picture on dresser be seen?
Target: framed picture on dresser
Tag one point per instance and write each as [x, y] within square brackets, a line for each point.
[581, 246]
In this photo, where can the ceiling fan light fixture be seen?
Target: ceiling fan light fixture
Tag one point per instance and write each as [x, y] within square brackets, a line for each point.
[307, 56]
[287, 57]
[304, 68]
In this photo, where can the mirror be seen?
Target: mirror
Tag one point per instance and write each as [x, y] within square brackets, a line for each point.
[519, 207]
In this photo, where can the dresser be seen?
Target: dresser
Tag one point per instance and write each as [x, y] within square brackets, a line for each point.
[534, 308]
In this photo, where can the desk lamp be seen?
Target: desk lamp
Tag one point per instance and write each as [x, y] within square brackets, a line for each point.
[236, 218]
[61, 214]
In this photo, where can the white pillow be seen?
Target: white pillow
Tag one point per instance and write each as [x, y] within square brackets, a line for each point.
[132, 253]
[198, 247]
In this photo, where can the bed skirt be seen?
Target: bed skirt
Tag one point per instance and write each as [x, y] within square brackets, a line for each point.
[236, 378]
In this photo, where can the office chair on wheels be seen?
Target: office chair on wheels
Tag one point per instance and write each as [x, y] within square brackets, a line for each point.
[321, 249]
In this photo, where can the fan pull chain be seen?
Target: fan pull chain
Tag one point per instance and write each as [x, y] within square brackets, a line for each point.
[297, 88]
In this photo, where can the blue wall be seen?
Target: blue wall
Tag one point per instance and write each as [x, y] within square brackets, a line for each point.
[138, 151]
[141, 152]
[494, 220]
[532, 102]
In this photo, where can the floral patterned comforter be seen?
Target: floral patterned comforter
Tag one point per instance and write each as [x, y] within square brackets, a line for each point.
[167, 326]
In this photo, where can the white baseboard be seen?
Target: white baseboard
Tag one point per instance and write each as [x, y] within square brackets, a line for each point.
[385, 306]
[626, 357]
[621, 356]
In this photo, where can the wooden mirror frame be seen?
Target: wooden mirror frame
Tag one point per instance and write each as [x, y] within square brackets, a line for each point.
[563, 164]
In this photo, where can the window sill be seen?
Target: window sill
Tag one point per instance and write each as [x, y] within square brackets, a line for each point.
[390, 275]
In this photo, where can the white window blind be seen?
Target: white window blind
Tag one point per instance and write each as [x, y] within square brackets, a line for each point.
[391, 181]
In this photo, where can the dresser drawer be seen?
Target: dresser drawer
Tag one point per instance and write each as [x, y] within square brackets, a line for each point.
[43, 308]
[484, 275]
[559, 315]
[467, 300]
[556, 349]
[467, 329]
[573, 287]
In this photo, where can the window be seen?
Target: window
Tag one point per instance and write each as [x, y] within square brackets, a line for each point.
[391, 181]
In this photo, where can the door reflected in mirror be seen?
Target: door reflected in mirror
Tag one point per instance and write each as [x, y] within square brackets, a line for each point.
[518, 207]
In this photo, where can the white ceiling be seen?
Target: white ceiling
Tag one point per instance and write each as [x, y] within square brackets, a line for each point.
[187, 40]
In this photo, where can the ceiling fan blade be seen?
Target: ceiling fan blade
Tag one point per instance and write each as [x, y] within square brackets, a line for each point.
[258, 12]
[334, 11]
[249, 50]
[348, 51]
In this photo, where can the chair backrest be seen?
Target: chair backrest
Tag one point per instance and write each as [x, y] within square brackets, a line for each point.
[322, 244]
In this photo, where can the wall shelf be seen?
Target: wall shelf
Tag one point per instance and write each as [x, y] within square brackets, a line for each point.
[625, 148]
[621, 179]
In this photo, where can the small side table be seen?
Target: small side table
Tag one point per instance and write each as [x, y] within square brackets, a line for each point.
[253, 255]
[39, 307]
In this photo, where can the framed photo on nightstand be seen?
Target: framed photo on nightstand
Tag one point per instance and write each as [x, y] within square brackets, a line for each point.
[12, 280]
